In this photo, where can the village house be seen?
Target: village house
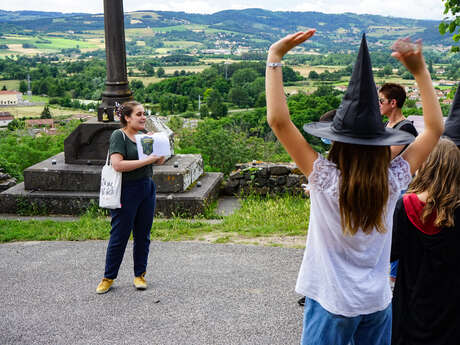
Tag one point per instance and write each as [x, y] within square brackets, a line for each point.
[40, 123]
[10, 97]
[5, 119]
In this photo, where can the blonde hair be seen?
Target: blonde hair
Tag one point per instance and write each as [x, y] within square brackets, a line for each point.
[364, 189]
[439, 176]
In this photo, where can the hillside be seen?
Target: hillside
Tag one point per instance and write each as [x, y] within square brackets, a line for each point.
[230, 29]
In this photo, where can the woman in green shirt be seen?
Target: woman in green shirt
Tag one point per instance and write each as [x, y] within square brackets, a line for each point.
[137, 198]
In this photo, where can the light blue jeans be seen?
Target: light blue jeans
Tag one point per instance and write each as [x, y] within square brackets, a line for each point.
[323, 328]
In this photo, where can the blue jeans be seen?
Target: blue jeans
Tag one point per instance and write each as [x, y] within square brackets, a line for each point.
[136, 214]
[323, 328]
[394, 269]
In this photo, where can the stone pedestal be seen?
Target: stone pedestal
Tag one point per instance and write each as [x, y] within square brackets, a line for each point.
[54, 187]
[189, 203]
[53, 174]
[88, 143]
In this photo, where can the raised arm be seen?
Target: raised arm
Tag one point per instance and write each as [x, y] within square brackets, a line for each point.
[410, 55]
[278, 116]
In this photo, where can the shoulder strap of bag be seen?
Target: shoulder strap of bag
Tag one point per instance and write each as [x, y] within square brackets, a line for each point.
[107, 161]
[402, 123]
[124, 135]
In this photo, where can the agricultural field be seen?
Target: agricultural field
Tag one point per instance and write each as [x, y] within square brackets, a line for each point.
[196, 69]
[11, 85]
[182, 44]
[35, 111]
[146, 80]
[44, 44]
[305, 70]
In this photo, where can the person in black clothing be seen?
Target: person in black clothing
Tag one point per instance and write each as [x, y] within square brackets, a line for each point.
[452, 124]
[392, 98]
[426, 241]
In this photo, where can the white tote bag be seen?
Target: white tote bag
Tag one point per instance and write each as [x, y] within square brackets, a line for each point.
[110, 193]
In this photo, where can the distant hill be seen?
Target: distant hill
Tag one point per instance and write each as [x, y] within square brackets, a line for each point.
[257, 27]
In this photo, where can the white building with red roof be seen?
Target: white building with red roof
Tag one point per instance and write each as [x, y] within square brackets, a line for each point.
[10, 97]
[5, 118]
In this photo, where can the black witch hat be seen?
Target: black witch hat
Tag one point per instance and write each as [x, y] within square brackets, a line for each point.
[452, 124]
[358, 119]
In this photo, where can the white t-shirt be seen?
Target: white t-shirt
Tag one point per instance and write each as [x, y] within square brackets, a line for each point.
[347, 275]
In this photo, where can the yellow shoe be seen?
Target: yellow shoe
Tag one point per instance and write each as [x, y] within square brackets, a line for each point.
[104, 285]
[140, 283]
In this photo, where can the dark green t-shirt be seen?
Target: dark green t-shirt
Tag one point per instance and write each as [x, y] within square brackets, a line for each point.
[128, 149]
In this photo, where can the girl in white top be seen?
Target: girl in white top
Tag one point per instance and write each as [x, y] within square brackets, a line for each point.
[344, 273]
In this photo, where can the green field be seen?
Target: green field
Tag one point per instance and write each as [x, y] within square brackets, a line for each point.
[182, 44]
[43, 44]
[146, 80]
[305, 70]
[10, 84]
[35, 111]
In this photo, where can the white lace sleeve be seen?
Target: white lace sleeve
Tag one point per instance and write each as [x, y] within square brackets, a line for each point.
[323, 175]
[400, 171]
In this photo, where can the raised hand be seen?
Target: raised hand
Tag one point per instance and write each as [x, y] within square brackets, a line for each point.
[409, 54]
[281, 47]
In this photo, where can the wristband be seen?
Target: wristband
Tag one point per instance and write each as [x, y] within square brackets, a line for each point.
[274, 64]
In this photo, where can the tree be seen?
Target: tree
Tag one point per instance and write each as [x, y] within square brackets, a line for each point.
[16, 124]
[204, 112]
[4, 88]
[160, 72]
[46, 114]
[313, 75]
[215, 105]
[388, 70]
[23, 86]
[451, 22]
[239, 96]
[244, 75]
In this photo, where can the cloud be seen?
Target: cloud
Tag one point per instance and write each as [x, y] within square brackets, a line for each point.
[421, 9]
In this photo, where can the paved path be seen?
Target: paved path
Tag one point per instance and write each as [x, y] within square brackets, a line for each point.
[198, 294]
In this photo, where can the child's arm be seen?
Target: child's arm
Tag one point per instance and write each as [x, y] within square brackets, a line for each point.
[277, 111]
[410, 55]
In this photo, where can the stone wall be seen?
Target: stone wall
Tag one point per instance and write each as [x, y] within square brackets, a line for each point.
[6, 181]
[265, 178]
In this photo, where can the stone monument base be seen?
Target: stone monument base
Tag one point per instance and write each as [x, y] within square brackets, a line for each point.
[191, 202]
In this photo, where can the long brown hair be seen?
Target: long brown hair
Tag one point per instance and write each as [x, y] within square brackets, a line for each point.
[364, 189]
[440, 178]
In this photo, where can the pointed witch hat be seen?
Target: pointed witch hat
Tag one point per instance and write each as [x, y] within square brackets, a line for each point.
[358, 120]
[452, 124]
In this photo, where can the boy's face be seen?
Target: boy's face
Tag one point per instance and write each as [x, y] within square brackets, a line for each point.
[385, 104]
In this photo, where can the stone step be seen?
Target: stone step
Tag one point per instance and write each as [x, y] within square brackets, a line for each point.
[52, 174]
[189, 203]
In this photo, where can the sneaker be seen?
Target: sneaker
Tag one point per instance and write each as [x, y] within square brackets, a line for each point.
[140, 283]
[104, 285]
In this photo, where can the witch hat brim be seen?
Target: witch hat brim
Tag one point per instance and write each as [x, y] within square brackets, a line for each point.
[452, 124]
[358, 119]
[390, 137]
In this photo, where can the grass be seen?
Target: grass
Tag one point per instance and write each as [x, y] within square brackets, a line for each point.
[305, 70]
[44, 44]
[182, 44]
[257, 218]
[35, 111]
[11, 85]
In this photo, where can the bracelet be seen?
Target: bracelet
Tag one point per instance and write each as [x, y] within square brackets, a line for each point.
[274, 64]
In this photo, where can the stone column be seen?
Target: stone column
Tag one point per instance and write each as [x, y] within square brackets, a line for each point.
[117, 85]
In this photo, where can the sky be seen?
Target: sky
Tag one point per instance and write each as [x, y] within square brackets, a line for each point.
[419, 9]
